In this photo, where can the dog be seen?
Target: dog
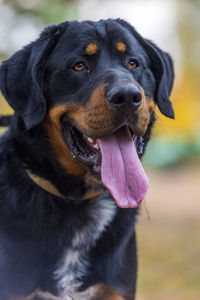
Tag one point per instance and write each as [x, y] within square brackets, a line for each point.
[84, 96]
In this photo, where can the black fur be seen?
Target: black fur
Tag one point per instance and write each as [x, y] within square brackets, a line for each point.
[36, 227]
[5, 120]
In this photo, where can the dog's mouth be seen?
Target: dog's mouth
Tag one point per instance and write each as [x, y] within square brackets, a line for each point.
[113, 158]
[87, 150]
[83, 148]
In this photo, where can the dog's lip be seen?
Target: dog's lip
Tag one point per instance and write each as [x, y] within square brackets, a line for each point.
[82, 148]
[86, 149]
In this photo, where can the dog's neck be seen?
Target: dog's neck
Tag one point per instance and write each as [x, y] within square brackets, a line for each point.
[45, 184]
[49, 187]
[34, 154]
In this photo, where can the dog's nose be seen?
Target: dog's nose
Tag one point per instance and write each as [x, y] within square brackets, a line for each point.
[125, 96]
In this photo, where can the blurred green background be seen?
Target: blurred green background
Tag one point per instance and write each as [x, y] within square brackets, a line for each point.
[169, 222]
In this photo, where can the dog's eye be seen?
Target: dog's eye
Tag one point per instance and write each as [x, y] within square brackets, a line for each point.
[79, 66]
[132, 64]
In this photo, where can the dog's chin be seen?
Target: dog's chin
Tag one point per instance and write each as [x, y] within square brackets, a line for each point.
[86, 150]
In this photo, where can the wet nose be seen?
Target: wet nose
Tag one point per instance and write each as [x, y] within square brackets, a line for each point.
[124, 96]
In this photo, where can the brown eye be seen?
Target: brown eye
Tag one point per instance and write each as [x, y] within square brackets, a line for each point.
[79, 66]
[132, 64]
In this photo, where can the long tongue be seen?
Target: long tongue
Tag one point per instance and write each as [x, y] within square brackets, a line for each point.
[121, 170]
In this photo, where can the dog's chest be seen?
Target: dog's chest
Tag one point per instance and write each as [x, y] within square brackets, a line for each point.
[74, 263]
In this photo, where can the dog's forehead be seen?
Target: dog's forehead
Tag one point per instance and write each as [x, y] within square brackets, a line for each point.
[104, 32]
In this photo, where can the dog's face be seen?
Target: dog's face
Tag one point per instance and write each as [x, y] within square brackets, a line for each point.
[85, 82]
[96, 84]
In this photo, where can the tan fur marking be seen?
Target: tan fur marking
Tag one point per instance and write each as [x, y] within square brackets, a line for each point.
[151, 105]
[91, 49]
[121, 46]
[94, 187]
[144, 114]
[105, 292]
[53, 129]
[40, 295]
[96, 292]
[96, 117]
[92, 194]
[45, 184]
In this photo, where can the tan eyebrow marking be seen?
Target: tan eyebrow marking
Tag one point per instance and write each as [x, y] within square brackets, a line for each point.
[121, 46]
[91, 49]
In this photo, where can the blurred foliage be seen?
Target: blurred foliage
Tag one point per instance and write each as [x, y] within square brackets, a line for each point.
[188, 28]
[182, 136]
[4, 107]
[186, 91]
[49, 11]
[163, 152]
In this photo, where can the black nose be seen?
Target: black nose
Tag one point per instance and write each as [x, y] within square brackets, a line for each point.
[125, 96]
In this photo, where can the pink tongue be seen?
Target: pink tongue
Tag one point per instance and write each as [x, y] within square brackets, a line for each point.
[121, 170]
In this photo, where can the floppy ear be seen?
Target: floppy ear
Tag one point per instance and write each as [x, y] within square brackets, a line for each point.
[162, 67]
[21, 76]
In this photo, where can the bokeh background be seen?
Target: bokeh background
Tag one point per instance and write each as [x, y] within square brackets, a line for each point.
[169, 223]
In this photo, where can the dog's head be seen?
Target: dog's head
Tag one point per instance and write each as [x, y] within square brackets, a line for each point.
[90, 85]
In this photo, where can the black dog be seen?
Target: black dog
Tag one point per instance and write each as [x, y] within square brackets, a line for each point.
[84, 97]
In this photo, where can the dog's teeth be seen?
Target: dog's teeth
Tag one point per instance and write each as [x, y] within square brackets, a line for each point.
[73, 156]
[90, 140]
[96, 146]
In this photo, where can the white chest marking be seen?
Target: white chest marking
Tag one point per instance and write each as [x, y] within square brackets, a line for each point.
[74, 264]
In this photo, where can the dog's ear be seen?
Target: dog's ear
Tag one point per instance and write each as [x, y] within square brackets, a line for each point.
[162, 67]
[21, 76]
